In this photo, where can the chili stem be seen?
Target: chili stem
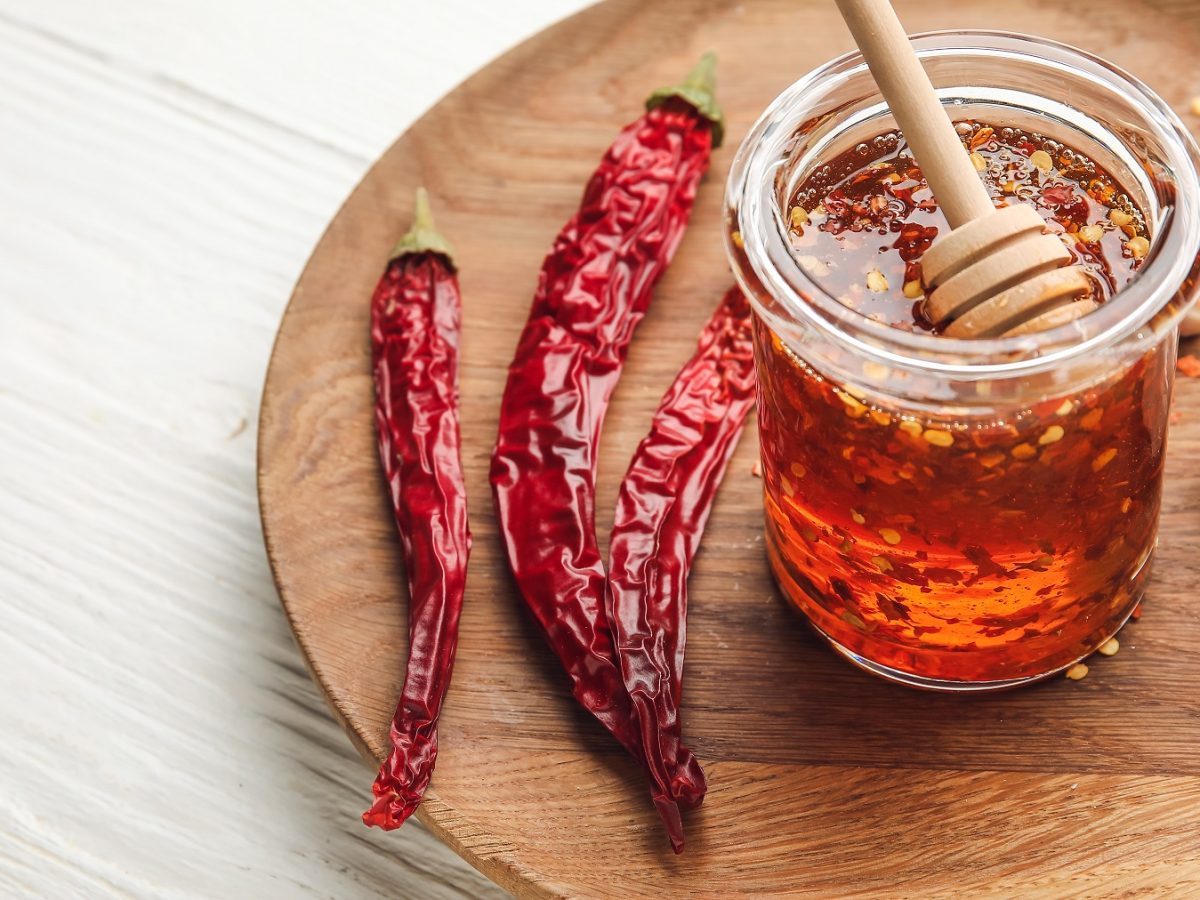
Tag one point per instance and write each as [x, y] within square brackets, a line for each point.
[423, 237]
[699, 90]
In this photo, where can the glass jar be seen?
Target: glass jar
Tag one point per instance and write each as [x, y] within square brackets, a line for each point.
[953, 514]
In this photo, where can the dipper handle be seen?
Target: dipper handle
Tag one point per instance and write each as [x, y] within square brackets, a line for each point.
[903, 82]
[997, 272]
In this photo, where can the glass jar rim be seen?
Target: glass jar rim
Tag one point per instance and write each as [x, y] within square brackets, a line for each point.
[1139, 305]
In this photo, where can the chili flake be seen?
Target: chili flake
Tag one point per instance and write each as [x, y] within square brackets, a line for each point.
[1189, 365]
[891, 535]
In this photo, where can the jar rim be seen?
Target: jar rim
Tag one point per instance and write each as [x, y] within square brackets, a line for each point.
[1144, 304]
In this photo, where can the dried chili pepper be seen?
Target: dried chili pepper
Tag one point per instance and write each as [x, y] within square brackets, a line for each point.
[416, 312]
[594, 288]
[662, 509]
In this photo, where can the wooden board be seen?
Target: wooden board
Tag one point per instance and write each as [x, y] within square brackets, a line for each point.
[823, 780]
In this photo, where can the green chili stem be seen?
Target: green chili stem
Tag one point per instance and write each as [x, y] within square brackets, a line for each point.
[423, 237]
[699, 90]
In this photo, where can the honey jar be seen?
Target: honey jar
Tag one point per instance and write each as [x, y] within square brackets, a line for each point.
[964, 514]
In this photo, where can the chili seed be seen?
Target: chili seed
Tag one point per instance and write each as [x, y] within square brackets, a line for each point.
[876, 282]
[882, 563]
[1052, 435]
[854, 407]
[1024, 451]
[1042, 160]
[788, 487]
[1091, 421]
[736, 237]
[798, 470]
[851, 619]
[1065, 409]
[991, 460]
[1077, 671]
[858, 517]
[1119, 217]
[799, 216]
[813, 266]
[1103, 459]
[891, 535]
[1125, 504]
[978, 162]
[880, 418]
[938, 437]
[1109, 647]
[875, 370]
[1138, 247]
[913, 290]
[913, 428]
[1195, 106]
[1091, 233]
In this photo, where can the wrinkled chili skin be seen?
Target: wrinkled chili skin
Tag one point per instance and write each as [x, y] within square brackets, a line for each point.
[415, 325]
[663, 506]
[594, 288]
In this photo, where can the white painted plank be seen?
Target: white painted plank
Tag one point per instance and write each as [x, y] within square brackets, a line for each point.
[164, 171]
[351, 74]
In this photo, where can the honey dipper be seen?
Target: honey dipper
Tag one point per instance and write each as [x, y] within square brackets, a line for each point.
[997, 272]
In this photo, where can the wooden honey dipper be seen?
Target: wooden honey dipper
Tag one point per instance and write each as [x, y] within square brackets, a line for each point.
[997, 272]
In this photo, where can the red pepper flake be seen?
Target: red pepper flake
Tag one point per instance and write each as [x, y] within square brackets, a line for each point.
[1058, 194]
[1137, 613]
[594, 288]
[662, 508]
[416, 313]
[1189, 366]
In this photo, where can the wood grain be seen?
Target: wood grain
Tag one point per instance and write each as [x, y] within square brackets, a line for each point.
[823, 780]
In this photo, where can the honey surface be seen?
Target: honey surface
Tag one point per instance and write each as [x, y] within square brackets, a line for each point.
[860, 223]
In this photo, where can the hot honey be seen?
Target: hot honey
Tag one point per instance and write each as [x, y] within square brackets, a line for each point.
[935, 547]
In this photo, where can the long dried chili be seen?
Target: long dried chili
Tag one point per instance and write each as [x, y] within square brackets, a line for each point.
[594, 288]
[662, 508]
[416, 316]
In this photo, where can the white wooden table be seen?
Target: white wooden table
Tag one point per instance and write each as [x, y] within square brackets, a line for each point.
[165, 169]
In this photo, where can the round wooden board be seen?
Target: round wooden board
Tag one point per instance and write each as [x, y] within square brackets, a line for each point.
[823, 780]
